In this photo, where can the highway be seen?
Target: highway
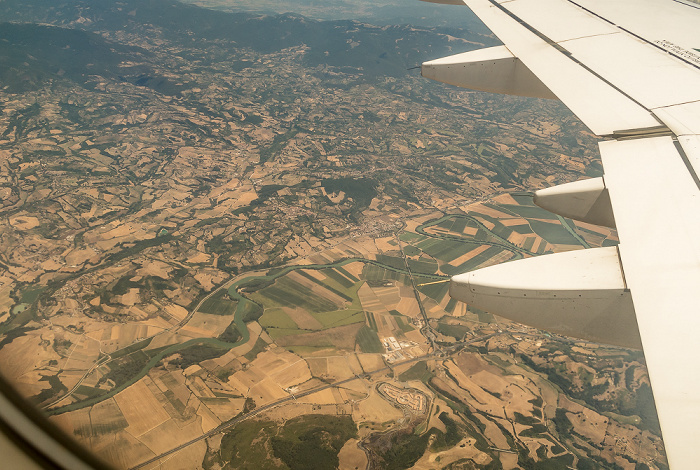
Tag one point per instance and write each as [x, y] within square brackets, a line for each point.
[232, 422]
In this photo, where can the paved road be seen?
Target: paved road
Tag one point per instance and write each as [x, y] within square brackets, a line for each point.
[232, 422]
[427, 331]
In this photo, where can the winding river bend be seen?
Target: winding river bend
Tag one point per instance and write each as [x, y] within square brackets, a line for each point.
[243, 304]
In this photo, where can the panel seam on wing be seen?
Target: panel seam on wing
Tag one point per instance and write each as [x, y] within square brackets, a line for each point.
[569, 55]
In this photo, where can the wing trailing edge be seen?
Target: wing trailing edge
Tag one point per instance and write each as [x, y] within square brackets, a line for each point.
[586, 201]
[578, 293]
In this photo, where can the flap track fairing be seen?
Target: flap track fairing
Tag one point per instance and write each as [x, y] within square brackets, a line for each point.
[493, 69]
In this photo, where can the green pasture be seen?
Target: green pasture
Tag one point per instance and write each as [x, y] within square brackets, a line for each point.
[435, 291]
[553, 233]
[368, 340]
[527, 211]
[444, 250]
[219, 304]
[276, 318]
[286, 292]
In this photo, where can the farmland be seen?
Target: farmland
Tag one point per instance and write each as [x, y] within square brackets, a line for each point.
[219, 237]
[318, 323]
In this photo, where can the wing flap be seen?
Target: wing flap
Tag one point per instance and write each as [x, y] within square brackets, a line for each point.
[672, 25]
[631, 63]
[559, 21]
[682, 119]
[649, 77]
[492, 69]
[598, 104]
[578, 293]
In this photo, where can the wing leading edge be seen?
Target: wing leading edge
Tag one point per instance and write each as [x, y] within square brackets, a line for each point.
[630, 70]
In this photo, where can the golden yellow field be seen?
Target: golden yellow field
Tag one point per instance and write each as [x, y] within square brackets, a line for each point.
[351, 457]
[140, 408]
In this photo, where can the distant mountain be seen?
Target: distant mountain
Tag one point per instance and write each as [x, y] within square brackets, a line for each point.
[31, 53]
[366, 49]
[395, 12]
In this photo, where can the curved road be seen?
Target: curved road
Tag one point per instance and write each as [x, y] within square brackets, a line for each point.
[232, 287]
[232, 422]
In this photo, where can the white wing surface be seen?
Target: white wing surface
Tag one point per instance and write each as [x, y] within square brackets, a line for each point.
[630, 70]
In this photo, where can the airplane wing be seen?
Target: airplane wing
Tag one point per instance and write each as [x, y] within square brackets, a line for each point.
[630, 70]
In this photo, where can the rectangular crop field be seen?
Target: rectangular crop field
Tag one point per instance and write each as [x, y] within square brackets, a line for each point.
[478, 260]
[328, 284]
[372, 321]
[373, 272]
[368, 341]
[554, 233]
[340, 318]
[418, 266]
[275, 317]
[529, 212]
[346, 273]
[288, 293]
[436, 291]
[341, 278]
[445, 250]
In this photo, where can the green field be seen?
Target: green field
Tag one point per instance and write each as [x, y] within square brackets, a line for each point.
[340, 317]
[529, 243]
[410, 250]
[410, 237]
[420, 266]
[498, 229]
[393, 261]
[404, 324]
[339, 287]
[368, 340]
[30, 294]
[288, 293]
[308, 349]
[523, 229]
[280, 332]
[372, 321]
[275, 317]
[231, 334]
[444, 250]
[346, 280]
[258, 347]
[461, 223]
[345, 273]
[219, 304]
[527, 211]
[457, 331]
[372, 272]
[554, 233]
[418, 371]
[436, 291]
[523, 199]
